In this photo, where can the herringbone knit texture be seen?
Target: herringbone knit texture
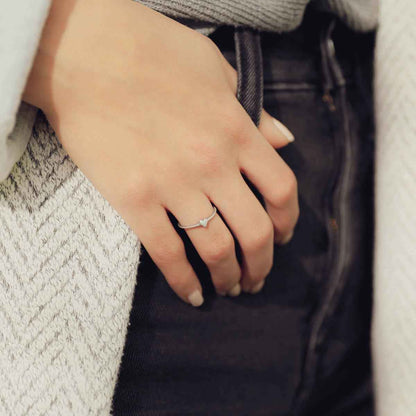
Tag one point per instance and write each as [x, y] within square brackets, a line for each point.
[394, 326]
[67, 272]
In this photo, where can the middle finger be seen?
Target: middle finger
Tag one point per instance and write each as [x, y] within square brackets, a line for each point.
[251, 225]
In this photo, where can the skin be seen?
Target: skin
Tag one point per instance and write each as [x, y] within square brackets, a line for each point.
[147, 109]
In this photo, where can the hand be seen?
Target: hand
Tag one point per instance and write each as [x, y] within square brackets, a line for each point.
[146, 108]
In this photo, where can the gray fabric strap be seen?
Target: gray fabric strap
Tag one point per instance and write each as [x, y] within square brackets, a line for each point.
[249, 62]
[250, 71]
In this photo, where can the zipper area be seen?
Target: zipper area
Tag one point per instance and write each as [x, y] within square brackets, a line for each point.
[341, 214]
[339, 219]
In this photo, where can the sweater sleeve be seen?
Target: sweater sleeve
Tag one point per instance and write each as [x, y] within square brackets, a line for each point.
[21, 24]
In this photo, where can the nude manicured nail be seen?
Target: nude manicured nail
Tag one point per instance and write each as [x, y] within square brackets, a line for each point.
[196, 299]
[235, 291]
[256, 288]
[284, 130]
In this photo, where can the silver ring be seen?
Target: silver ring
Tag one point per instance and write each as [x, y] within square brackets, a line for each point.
[201, 223]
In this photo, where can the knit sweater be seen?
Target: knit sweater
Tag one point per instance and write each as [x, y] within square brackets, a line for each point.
[68, 261]
[394, 315]
[269, 15]
[21, 23]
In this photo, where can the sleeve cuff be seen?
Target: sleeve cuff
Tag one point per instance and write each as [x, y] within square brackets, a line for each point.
[21, 24]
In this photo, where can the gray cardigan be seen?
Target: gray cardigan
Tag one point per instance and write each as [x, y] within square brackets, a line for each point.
[268, 15]
[21, 22]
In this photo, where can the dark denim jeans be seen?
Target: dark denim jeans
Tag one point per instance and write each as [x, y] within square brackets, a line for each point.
[301, 346]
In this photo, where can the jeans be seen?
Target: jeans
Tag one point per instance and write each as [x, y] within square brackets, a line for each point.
[301, 346]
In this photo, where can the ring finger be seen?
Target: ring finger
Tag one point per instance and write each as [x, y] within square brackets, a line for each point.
[252, 227]
[215, 243]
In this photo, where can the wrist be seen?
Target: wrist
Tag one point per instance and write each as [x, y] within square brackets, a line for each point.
[38, 86]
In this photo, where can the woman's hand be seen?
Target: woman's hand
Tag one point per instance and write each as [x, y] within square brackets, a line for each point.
[146, 108]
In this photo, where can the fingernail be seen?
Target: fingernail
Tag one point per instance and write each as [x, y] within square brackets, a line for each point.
[196, 299]
[256, 288]
[235, 291]
[284, 130]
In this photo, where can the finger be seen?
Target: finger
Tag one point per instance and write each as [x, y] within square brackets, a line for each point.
[214, 243]
[276, 182]
[167, 250]
[276, 133]
[251, 226]
[284, 230]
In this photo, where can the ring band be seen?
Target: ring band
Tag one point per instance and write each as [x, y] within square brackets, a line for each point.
[201, 223]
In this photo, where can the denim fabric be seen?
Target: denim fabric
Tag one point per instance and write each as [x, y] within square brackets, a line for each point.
[249, 63]
[301, 346]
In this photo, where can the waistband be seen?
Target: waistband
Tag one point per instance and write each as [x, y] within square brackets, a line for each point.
[321, 51]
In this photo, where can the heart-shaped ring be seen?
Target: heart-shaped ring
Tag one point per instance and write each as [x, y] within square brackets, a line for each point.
[201, 223]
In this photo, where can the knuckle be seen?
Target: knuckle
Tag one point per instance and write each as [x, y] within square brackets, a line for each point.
[136, 192]
[289, 224]
[286, 223]
[261, 238]
[287, 190]
[212, 154]
[209, 158]
[221, 248]
[235, 124]
[168, 253]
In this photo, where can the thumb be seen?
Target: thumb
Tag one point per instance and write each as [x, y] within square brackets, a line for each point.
[276, 133]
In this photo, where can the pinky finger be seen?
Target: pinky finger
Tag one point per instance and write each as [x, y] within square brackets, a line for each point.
[276, 133]
[167, 250]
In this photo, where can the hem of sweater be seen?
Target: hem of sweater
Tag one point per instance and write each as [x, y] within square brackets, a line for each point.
[362, 18]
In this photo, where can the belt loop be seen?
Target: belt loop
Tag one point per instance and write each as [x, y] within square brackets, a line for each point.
[331, 71]
[249, 61]
[325, 45]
